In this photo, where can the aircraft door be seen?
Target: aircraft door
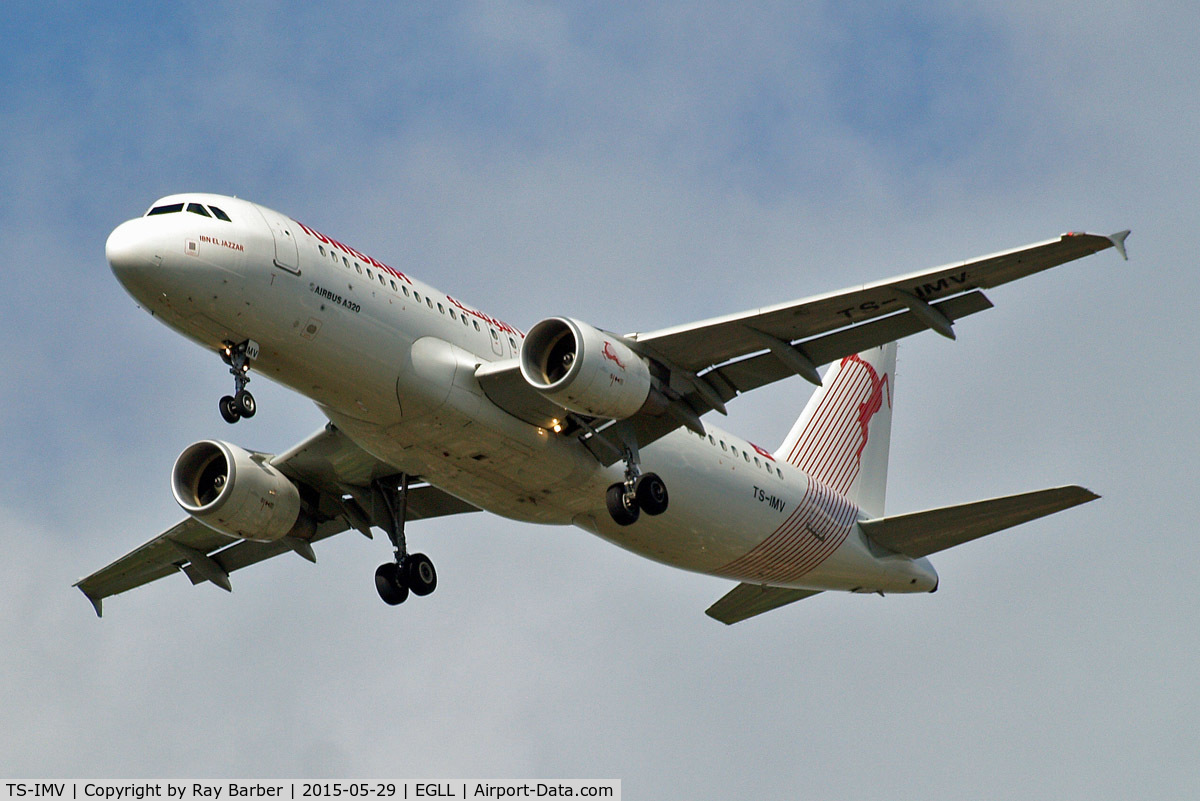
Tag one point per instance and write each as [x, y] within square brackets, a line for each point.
[287, 253]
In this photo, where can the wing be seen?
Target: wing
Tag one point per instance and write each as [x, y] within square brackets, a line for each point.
[922, 533]
[335, 477]
[697, 346]
[748, 600]
[701, 366]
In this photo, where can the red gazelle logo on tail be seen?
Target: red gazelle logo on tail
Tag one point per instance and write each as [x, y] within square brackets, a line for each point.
[874, 402]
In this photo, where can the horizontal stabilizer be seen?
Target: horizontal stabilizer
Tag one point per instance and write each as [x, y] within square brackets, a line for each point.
[922, 533]
[748, 600]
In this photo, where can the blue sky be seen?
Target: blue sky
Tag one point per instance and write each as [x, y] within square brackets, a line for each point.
[635, 168]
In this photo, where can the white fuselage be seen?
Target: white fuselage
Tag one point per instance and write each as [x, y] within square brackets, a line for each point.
[391, 361]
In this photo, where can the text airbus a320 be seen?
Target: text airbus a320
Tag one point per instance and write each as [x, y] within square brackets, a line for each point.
[437, 408]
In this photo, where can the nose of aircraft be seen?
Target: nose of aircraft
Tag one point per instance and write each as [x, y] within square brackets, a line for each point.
[128, 249]
[135, 255]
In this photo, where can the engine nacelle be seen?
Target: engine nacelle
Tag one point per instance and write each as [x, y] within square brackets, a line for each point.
[235, 493]
[584, 369]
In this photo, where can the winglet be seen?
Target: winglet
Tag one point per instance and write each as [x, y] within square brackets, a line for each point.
[1118, 240]
[97, 603]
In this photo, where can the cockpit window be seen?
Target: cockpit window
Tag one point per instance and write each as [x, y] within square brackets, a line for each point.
[194, 208]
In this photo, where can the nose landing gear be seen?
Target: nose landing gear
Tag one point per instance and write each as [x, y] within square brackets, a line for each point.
[241, 403]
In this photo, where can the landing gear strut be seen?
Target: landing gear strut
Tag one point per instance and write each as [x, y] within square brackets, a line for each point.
[639, 492]
[407, 572]
[241, 403]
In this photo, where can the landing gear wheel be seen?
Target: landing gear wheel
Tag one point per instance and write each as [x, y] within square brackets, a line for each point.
[624, 511]
[245, 404]
[238, 356]
[419, 574]
[389, 585]
[229, 409]
[651, 494]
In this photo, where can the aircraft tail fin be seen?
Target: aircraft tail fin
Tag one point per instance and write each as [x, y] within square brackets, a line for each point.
[843, 435]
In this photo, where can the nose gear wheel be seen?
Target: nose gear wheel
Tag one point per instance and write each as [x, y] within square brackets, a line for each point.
[241, 403]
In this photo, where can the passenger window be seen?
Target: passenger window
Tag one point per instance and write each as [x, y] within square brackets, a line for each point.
[453, 316]
[168, 209]
[733, 449]
[512, 342]
[476, 324]
[417, 295]
[322, 249]
[723, 446]
[369, 276]
[406, 292]
[441, 309]
[780, 472]
[429, 301]
[746, 456]
[196, 208]
[394, 289]
[495, 335]
[220, 215]
[756, 462]
[358, 267]
[345, 262]
[464, 319]
[711, 441]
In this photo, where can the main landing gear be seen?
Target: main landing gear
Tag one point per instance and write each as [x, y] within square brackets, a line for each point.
[639, 492]
[241, 403]
[407, 572]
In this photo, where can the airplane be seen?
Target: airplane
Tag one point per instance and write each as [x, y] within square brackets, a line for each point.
[438, 408]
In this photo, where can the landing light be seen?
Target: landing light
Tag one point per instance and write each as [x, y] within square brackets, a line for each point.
[556, 425]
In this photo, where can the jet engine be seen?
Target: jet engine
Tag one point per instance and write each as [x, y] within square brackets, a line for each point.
[235, 492]
[584, 369]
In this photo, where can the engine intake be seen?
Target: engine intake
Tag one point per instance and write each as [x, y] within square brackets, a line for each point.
[584, 369]
[234, 492]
